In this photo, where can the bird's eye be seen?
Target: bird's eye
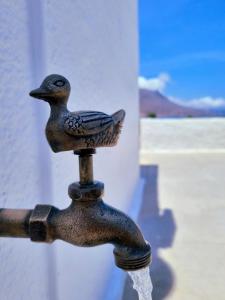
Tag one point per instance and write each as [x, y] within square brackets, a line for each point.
[59, 83]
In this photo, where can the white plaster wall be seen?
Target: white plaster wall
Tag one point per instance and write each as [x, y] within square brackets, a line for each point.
[24, 267]
[94, 44]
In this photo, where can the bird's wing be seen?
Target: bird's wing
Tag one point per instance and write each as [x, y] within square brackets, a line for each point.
[86, 122]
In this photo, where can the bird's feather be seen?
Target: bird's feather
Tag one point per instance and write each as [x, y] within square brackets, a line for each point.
[86, 122]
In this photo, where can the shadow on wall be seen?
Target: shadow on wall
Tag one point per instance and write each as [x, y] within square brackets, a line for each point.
[159, 229]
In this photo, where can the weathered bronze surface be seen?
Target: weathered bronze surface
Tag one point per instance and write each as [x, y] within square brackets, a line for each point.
[88, 221]
[14, 222]
[67, 130]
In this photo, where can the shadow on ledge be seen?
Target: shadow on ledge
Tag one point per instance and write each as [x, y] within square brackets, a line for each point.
[159, 229]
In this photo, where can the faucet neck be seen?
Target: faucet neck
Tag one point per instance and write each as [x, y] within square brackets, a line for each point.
[86, 189]
[85, 166]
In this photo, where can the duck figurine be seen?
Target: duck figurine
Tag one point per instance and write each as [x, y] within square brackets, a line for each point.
[79, 130]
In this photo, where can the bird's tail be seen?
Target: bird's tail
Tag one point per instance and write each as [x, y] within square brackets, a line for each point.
[119, 116]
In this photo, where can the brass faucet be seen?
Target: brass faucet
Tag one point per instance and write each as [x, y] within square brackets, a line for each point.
[88, 221]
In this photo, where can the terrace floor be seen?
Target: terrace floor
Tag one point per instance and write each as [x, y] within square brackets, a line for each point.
[183, 217]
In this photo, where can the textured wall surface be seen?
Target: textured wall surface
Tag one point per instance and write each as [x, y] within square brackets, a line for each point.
[24, 267]
[94, 44]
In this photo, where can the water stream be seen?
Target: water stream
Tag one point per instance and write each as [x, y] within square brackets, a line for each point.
[142, 283]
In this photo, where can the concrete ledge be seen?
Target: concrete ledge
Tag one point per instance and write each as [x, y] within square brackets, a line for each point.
[183, 135]
[188, 260]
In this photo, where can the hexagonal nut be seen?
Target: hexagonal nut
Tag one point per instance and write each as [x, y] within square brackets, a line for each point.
[38, 224]
[86, 192]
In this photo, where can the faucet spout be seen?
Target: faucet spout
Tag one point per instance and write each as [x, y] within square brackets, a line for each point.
[91, 223]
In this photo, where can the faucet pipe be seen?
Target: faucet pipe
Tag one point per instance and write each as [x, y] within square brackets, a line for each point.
[14, 222]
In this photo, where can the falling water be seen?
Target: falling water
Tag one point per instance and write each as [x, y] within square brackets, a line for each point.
[142, 283]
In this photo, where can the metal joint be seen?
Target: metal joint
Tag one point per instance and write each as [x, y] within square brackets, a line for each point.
[38, 225]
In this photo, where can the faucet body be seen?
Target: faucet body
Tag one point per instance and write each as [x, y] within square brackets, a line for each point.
[97, 223]
[87, 222]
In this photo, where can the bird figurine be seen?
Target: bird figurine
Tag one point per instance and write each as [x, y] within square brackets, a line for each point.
[79, 130]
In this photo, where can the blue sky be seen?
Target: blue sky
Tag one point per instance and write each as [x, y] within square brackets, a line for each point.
[184, 41]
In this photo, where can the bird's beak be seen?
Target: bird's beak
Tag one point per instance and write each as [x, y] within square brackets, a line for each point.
[39, 93]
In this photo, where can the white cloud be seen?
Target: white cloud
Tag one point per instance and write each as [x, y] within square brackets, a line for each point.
[204, 102]
[160, 82]
[155, 84]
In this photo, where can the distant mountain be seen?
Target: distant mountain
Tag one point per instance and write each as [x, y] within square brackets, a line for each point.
[219, 112]
[153, 102]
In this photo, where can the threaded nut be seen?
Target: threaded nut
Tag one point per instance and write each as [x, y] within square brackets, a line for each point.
[129, 263]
